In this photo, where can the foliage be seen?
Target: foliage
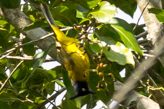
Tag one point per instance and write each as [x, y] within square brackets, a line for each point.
[159, 13]
[110, 43]
[10, 3]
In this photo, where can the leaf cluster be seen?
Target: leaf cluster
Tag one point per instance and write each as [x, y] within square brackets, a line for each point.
[110, 42]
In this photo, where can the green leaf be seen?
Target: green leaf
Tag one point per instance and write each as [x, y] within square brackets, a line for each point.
[67, 82]
[65, 14]
[92, 3]
[139, 29]
[29, 49]
[3, 64]
[122, 23]
[10, 3]
[39, 100]
[105, 13]
[52, 73]
[89, 4]
[60, 83]
[159, 13]
[127, 37]
[95, 48]
[3, 29]
[120, 54]
[103, 95]
[81, 12]
[49, 87]
[23, 105]
[3, 22]
[5, 105]
[93, 82]
[128, 6]
[107, 34]
[37, 78]
[70, 104]
[6, 97]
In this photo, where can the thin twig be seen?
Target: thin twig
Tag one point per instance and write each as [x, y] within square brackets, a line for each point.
[144, 41]
[143, 34]
[20, 58]
[151, 79]
[67, 28]
[148, 55]
[44, 98]
[27, 43]
[3, 85]
[140, 16]
[137, 75]
[51, 98]
[33, 41]
[7, 53]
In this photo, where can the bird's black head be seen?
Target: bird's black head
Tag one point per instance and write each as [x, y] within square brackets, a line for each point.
[81, 89]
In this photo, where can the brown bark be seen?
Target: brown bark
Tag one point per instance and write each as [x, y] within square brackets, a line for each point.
[155, 33]
[154, 27]
[19, 20]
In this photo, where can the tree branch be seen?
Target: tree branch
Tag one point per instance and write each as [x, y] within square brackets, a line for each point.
[20, 58]
[19, 20]
[151, 21]
[138, 74]
[51, 98]
[143, 34]
[140, 16]
[3, 85]
[2, 55]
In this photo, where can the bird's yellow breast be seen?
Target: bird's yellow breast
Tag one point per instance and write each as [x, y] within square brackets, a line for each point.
[77, 64]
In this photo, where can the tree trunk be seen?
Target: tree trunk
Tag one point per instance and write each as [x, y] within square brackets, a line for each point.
[155, 32]
[151, 21]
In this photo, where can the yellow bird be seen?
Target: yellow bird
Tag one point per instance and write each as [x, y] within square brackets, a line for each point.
[74, 59]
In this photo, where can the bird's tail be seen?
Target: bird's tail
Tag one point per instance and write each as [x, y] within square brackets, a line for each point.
[45, 9]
